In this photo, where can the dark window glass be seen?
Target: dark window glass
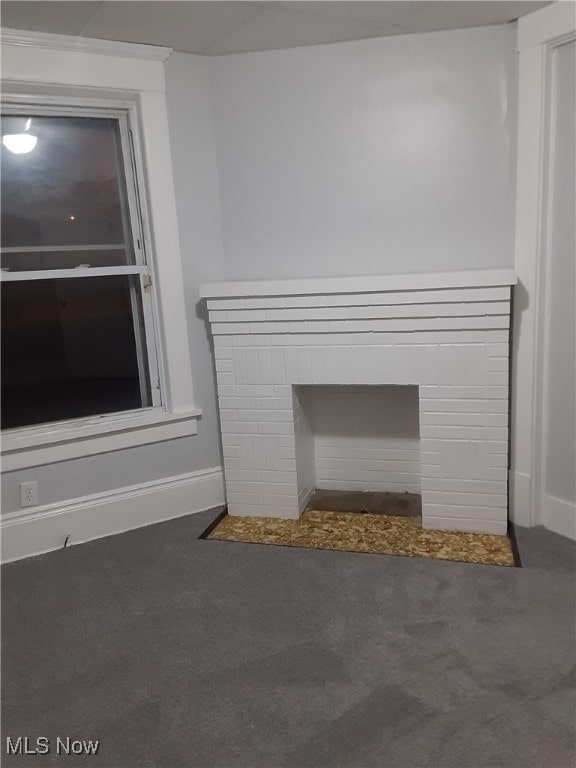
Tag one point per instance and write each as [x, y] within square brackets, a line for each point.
[70, 349]
[64, 202]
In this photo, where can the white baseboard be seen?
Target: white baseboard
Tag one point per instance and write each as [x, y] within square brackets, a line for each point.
[559, 516]
[555, 514]
[45, 528]
[520, 490]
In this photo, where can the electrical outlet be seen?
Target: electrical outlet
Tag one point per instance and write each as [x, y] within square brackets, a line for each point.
[29, 494]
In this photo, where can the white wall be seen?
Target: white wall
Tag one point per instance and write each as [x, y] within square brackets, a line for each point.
[377, 156]
[560, 387]
[196, 182]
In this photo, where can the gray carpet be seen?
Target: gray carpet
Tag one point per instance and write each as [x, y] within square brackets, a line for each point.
[175, 652]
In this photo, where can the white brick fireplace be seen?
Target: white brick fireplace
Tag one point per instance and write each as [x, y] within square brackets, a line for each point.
[445, 333]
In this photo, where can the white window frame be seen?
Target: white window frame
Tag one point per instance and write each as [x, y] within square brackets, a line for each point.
[124, 115]
[62, 73]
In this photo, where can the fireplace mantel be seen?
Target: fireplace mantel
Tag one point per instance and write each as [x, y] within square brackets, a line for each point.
[447, 333]
[418, 281]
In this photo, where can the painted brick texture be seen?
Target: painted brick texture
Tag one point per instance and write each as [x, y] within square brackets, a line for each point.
[448, 345]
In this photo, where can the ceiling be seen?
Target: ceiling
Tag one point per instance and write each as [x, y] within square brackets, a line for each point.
[221, 27]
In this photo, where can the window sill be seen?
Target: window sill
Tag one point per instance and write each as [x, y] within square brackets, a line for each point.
[35, 446]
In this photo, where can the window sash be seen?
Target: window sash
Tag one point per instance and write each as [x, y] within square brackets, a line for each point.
[129, 166]
[80, 271]
[60, 248]
[131, 169]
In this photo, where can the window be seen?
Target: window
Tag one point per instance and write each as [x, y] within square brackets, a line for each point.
[108, 101]
[78, 329]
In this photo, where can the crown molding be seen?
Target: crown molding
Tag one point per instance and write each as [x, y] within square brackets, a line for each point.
[26, 38]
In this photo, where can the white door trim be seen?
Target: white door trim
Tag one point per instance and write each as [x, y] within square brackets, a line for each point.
[539, 34]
